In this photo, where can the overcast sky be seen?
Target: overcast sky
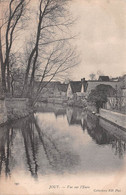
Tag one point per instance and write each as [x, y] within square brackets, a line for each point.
[101, 41]
[102, 37]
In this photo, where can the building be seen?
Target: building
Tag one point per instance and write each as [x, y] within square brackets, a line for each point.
[103, 78]
[83, 88]
[60, 90]
[76, 88]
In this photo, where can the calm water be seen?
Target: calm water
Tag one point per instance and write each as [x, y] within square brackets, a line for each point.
[57, 141]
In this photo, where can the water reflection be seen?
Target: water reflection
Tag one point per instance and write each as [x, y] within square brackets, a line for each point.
[42, 144]
[8, 134]
[103, 135]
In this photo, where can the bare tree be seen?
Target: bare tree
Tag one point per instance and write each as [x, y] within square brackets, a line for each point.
[51, 53]
[14, 10]
[92, 76]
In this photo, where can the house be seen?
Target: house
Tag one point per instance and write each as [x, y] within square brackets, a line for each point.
[76, 88]
[103, 78]
[60, 90]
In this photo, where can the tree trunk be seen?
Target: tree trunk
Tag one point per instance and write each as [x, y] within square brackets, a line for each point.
[3, 77]
[8, 78]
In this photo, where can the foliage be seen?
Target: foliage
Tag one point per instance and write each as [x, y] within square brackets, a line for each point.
[100, 93]
[92, 76]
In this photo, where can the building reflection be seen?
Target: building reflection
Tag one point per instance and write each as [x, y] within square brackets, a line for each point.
[76, 116]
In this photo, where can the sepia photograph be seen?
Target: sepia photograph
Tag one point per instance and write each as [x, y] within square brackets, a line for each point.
[62, 97]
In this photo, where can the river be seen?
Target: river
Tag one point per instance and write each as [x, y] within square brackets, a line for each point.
[62, 150]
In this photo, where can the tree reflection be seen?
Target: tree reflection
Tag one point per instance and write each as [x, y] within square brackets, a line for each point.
[59, 156]
[33, 137]
[120, 147]
[30, 145]
[6, 141]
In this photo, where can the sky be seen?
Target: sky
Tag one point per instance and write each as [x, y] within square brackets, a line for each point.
[101, 41]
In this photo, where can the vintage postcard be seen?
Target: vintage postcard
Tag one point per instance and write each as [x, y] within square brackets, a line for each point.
[62, 97]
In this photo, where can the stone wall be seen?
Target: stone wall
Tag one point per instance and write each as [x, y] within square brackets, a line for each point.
[115, 117]
[113, 129]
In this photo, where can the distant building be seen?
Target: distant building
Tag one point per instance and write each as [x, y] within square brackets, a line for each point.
[60, 90]
[103, 78]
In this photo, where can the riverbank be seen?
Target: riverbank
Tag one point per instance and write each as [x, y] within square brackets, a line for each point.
[13, 109]
[80, 103]
[16, 108]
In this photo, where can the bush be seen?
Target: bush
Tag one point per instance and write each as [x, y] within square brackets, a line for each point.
[99, 95]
